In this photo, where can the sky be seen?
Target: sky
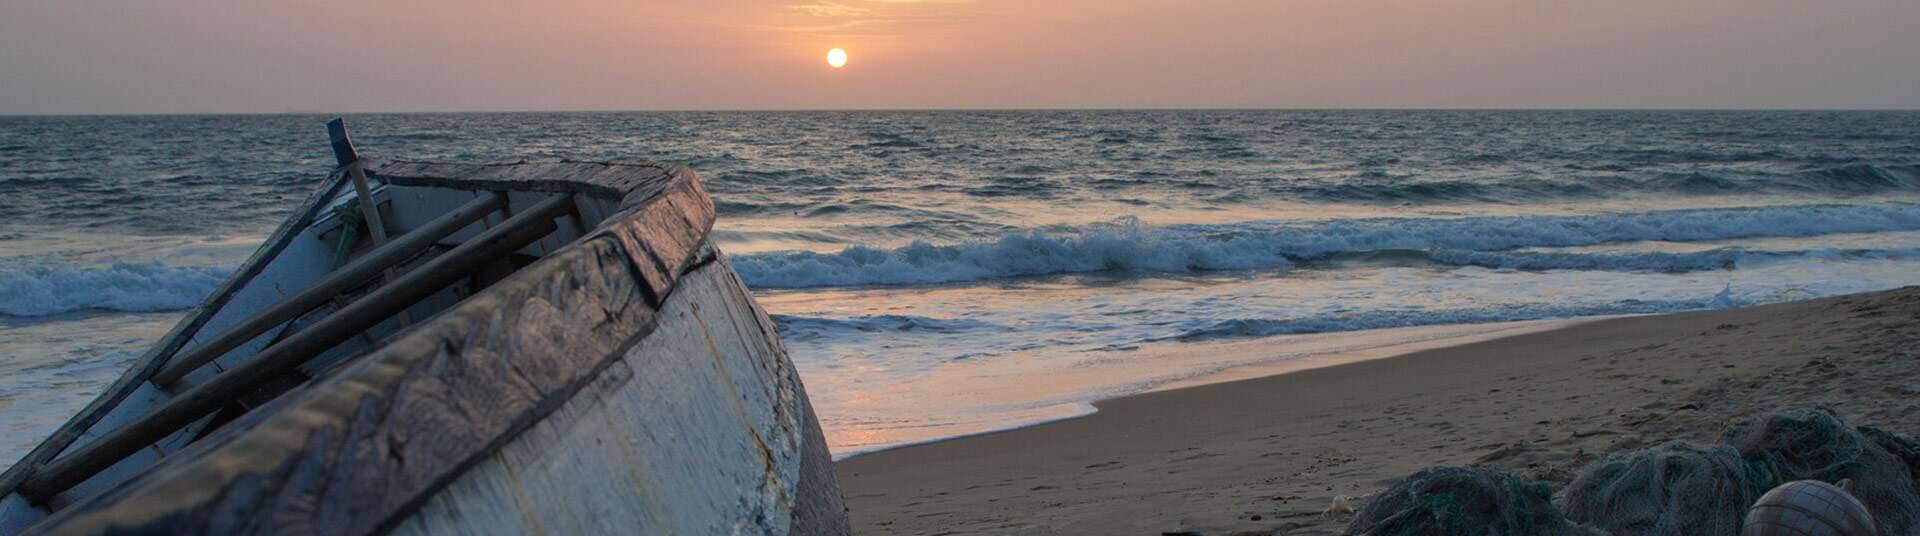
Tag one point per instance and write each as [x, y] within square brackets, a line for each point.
[192, 56]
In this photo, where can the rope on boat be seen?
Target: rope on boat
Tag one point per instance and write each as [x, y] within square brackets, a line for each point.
[350, 221]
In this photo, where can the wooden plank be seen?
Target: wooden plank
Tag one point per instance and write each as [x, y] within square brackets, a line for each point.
[369, 209]
[665, 233]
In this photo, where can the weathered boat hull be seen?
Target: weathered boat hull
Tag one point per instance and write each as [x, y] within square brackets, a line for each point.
[630, 451]
[625, 383]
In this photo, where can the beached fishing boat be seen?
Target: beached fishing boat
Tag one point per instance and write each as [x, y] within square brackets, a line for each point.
[431, 348]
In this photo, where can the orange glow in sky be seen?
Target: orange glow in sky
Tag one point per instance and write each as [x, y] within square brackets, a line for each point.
[428, 55]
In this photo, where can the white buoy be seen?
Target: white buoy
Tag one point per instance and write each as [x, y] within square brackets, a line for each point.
[1809, 508]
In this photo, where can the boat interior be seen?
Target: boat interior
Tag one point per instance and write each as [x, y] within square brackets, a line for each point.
[362, 260]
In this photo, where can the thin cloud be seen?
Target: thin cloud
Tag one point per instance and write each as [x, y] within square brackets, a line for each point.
[828, 9]
[835, 27]
[866, 18]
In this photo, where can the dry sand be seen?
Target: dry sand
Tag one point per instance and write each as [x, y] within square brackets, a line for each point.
[1267, 455]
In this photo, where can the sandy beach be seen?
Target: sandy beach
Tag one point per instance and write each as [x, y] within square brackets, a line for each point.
[1268, 455]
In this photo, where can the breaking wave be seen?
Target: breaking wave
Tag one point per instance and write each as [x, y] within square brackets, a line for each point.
[1699, 261]
[808, 327]
[1401, 318]
[1127, 245]
[126, 287]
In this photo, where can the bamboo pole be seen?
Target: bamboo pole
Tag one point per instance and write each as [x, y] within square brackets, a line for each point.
[184, 408]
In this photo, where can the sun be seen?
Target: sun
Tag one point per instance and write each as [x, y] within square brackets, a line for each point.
[837, 58]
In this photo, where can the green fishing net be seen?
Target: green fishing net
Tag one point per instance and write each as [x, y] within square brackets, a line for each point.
[1676, 489]
[1681, 489]
[1461, 501]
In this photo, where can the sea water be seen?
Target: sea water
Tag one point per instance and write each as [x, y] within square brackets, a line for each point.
[936, 274]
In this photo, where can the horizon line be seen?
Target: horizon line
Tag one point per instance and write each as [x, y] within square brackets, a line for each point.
[943, 109]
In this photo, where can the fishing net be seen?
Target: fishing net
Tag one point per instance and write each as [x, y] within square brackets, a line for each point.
[1675, 489]
[1907, 450]
[1461, 501]
[1682, 489]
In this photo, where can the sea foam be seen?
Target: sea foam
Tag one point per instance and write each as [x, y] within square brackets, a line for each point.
[126, 287]
[1129, 246]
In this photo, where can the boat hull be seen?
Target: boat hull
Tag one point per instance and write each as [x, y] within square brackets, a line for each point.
[625, 383]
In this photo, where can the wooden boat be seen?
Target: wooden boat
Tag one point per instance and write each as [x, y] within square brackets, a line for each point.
[532, 348]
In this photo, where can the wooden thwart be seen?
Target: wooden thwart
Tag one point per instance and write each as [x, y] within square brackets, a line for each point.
[380, 259]
[525, 228]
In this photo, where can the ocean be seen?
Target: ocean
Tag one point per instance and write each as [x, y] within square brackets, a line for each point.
[937, 274]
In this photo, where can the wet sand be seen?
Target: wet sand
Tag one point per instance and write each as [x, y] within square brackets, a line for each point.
[1268, 455]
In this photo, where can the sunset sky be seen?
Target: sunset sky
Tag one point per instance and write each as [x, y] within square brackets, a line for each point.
[113, 56]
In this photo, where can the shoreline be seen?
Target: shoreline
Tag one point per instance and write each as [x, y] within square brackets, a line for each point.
[1372, 344]
[1269, 453]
